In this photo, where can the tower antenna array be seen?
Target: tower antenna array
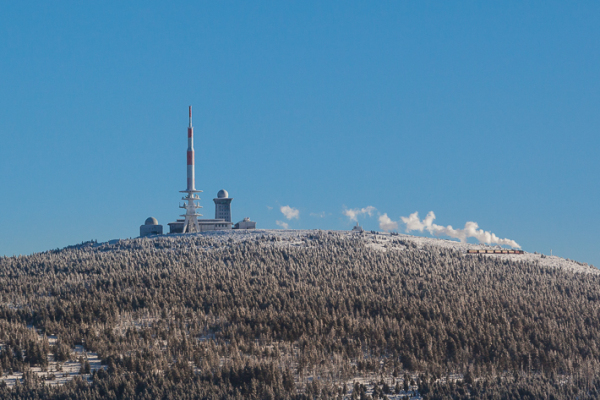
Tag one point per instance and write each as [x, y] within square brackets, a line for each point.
[190, 205]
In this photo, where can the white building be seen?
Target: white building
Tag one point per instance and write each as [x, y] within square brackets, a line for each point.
[205, 225]
[151, 227]
[245, 224]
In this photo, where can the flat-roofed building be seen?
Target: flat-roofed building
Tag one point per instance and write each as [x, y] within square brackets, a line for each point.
[245, 224]
[206, 225]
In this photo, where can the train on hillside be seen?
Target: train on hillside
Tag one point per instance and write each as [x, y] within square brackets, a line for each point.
[502, 251]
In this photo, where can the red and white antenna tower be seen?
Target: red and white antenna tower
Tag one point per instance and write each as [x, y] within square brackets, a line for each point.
[190, 206]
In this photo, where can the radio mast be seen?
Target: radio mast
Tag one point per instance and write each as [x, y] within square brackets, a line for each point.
[190, 205]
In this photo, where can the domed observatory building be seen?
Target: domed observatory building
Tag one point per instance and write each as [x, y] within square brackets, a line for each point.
[223, 205]
[151, 227]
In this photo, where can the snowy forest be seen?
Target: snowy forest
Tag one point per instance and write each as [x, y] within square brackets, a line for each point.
[299, 316]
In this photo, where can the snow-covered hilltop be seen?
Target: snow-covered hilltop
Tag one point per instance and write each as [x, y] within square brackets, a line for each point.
[380, 241]
[291, 314]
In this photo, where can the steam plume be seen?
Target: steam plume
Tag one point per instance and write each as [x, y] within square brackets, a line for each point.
[471, 229]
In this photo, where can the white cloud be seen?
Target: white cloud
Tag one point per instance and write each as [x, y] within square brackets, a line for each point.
[471, 229]
[282, 224]
[269, 208]
[319, 215]
[386, 223]
[354, 213]
[290, 212]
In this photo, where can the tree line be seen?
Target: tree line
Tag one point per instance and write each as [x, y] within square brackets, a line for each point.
[296, 317]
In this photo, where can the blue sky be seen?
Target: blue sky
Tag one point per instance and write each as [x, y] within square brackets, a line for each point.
[477, 111]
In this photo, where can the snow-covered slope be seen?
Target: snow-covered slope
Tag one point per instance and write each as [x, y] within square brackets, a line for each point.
[378, 241]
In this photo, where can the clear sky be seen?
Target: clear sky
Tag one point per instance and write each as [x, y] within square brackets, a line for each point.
[478, 111]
